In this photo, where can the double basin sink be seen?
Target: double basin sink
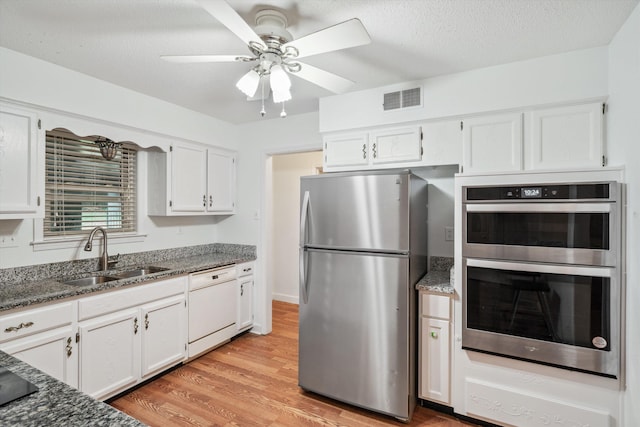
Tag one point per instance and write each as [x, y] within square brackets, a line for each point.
[126, 274]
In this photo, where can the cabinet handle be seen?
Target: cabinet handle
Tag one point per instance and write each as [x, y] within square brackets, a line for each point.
[364, 151]
[246, 270]
[146, 321]
[375, 153]
[204, 200]
[210, 200]
[69, 348]
[434, 335]
[17, 328]
[241, 289]
[135, 325]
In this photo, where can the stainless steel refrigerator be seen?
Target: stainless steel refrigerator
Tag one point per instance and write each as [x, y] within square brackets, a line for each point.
[363, 247]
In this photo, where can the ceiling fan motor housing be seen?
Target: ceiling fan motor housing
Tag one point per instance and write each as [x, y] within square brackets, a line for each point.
[271, 27]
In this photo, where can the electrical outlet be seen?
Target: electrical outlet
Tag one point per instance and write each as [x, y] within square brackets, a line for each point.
[448, 234]
[8, 241]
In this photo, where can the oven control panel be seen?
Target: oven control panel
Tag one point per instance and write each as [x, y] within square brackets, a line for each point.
[552, 192]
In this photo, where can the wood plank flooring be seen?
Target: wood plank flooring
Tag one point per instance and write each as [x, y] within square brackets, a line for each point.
[252, 381]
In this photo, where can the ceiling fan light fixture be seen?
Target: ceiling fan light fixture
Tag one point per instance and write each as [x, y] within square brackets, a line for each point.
[281, 95]
[279, 79]
[248, 83]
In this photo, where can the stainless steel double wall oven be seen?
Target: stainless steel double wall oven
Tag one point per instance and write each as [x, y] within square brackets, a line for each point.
[541, 273]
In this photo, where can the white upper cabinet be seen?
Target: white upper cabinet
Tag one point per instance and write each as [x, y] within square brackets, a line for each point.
[191, 180]
[442, 143]
[566, 137]
[21, 164]
[559, 138]
[221, 181]
[375, 149]
[397, 145]
[492, 143]
[346, 151]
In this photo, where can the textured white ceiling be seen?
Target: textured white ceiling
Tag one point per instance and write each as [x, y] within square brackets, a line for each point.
[120, 41]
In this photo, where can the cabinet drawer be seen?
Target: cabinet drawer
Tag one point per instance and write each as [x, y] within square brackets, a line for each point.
[118, 300]
[245, 269]
[435, 306]
[36, 320]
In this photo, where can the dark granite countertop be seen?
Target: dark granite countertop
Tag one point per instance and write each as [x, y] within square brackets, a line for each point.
[55, 403]
[48, 286]
[439, 278]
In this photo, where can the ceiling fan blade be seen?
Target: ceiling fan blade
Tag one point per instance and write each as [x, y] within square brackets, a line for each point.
[322, 78]
[223, 12]
[204, 58]
[347, 34]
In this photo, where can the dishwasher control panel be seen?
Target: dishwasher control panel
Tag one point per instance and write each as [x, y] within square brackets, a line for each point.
[210, 277]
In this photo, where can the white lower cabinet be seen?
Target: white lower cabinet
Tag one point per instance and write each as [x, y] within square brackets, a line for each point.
[244, 273]
[129, 335]
[44, 338]
[434, 368]
[110, 353]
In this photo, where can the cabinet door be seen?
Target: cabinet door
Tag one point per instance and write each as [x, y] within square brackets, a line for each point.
[221, 182]
[245, 303]
[19, 164]
[566, 137]
[188, 178]
[164, 341]
[346, 150]
[110, 353]
[434, 360]
[492, 143]
[442, 143]
[396, 145]
[53, 352]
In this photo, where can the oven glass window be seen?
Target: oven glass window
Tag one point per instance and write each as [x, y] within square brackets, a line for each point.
[554, 230]
[558, 308]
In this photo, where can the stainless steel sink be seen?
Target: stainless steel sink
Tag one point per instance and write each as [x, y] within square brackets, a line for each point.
[90, 281]
[140, 271]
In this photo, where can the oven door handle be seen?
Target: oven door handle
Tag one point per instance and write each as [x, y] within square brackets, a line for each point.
[541, 207]
[572, 270]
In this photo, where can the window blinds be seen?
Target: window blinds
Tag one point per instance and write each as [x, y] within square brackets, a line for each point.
[83, 190]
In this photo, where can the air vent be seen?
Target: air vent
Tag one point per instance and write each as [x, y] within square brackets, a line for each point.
[402, 99]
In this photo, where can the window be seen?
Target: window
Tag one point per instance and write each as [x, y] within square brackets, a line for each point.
[83, 190]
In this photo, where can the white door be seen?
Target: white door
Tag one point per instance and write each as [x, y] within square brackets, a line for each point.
[188, 178]
[164, 341]
[245, 303]
[396, 145]
[221, 182]
[110, 353]
[54, 352]
[492, 143]
[346, 150]
[566, 137]
[19, 164]
[434, 363]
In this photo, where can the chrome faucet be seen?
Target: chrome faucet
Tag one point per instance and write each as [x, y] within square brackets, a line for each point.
[104, 259]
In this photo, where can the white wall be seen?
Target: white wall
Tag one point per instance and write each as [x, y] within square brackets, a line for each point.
[286, 172]
[623, 137]
[540, 81]
[258, 143]
[68, 97]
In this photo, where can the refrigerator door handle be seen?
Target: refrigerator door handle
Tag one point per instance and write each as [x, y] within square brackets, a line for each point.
[303, 241]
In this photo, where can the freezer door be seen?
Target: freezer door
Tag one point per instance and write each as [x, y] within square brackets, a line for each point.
[357, 211]
[354, 330]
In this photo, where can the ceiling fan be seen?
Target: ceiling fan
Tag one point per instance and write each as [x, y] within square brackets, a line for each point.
[275, 52]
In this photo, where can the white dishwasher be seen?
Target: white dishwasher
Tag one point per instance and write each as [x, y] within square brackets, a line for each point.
[212, 308]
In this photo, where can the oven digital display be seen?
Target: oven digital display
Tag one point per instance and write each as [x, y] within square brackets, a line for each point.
[531, 192]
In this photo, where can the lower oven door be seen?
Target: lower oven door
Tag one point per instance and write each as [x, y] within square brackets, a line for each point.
[566, 316]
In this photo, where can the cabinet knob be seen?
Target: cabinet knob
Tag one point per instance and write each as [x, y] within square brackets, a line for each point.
[210, 200]
[146, 321]
[135, 325]
[204, 200]
[434, 335]
[241, 289]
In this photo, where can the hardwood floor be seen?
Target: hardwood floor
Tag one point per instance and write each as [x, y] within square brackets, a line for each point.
[252, 381]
